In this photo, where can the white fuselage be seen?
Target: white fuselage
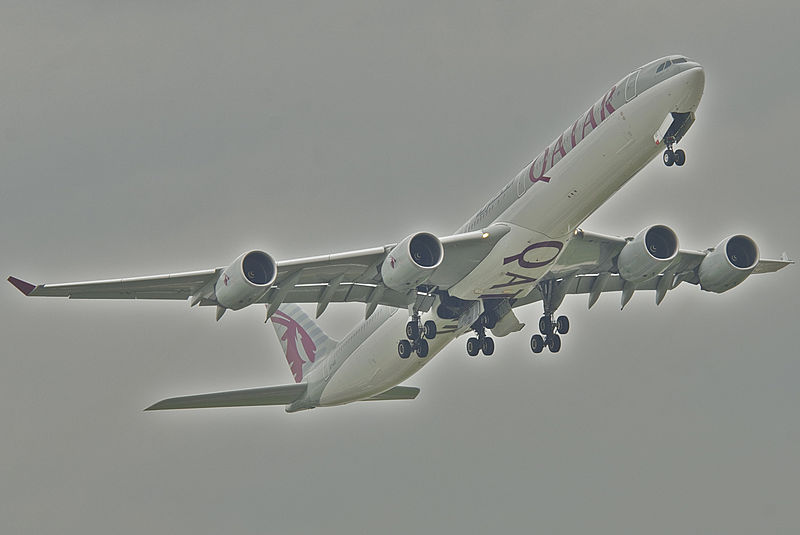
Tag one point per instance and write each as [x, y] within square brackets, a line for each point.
[542, 216]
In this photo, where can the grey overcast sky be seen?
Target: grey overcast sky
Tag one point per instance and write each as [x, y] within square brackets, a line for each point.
[147, 137]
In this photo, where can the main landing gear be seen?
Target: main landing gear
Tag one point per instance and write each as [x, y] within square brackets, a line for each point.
[481, 342]
[417, 338]
[550, 333]
[677, 157]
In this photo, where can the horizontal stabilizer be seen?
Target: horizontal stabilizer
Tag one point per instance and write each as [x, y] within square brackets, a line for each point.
[270, 395]
[398, 392]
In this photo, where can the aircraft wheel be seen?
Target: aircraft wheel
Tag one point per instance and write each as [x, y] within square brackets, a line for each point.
[669, 157]
[473, 347]
[544, 325]
[429, 329]
[562, 324]
[537, 343]
[422, 348]
[680, 157]
[554, 343]
[412, 330]
[404, 349]
[488, 346]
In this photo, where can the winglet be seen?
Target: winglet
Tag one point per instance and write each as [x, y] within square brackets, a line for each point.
[22, 286]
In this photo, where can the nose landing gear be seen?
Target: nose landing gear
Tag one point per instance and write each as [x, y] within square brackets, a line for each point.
[677, 157]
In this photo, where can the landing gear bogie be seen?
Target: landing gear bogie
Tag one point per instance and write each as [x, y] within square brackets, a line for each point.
[673, 157]
[551, 332]
[417, 336]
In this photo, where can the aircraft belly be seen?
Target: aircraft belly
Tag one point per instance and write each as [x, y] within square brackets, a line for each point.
[590, 173]
[375, 366]
[545, 217]
[512, 268]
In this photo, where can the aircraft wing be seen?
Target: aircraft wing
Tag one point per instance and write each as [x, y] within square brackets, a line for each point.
[588, 266]
[342, 277]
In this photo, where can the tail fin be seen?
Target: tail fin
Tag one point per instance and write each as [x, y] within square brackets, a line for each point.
[303, 342]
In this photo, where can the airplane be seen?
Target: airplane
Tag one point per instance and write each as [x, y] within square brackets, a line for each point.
[525, 245]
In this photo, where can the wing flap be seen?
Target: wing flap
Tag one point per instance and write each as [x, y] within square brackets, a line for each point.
[270, 395]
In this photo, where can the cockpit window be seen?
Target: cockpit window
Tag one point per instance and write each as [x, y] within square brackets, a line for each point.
[660, 68]
[667, 64]
[679, 60]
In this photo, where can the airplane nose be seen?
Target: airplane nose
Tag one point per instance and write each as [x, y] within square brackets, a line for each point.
[694, 80]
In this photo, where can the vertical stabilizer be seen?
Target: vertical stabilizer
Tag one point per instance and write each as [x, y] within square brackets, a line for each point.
[303, 342]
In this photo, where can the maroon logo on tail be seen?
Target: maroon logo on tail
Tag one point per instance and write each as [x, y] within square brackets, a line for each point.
[293, 357]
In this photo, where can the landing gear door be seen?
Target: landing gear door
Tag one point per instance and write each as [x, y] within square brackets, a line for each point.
[630, 85]
[659, 134]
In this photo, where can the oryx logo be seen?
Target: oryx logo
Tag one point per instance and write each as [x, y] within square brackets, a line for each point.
[226, 279]
[289, 341]
[392, 261]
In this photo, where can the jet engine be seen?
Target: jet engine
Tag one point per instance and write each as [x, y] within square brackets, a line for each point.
[412, 262]
[648, 254]
[731, 262]
[246, 280]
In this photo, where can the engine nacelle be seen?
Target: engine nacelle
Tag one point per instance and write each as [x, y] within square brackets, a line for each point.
[648, 254]
[731, 262]
[246, 280]
[412, 262]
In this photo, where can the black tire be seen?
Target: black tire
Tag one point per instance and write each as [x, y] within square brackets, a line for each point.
[429, 329]
[544, 322]
[562, 324]
[412, 330]
[422, 348]
[669, 157]
[680, 157]
[404, 349]
[537, 343]
[473, 347]
[554, 343]
[488, 346]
